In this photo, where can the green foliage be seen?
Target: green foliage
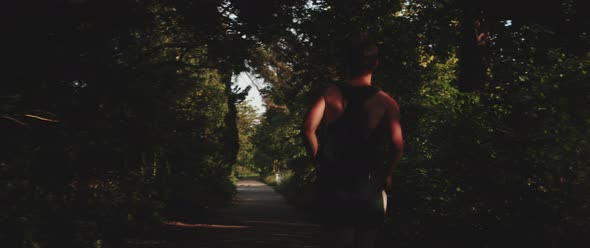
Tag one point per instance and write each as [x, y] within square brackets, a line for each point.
[277, 141]
[113, 116]
[500, 166]
[248, 119]
[112, 119]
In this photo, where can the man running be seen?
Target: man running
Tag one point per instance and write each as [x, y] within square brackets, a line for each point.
[353, 132]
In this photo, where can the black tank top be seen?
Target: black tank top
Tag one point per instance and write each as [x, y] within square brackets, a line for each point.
[349, 151]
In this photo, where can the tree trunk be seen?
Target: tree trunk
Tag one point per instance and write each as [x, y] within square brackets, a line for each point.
[472, 68]
[231, 136]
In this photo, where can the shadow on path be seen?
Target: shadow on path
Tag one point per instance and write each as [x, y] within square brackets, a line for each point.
[259, 217]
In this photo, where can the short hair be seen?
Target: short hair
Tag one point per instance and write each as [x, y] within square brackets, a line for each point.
[362, 54]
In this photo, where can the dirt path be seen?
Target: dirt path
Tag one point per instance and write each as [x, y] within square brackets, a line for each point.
[259, 217]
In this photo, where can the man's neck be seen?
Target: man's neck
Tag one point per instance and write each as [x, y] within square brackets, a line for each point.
[364, 80]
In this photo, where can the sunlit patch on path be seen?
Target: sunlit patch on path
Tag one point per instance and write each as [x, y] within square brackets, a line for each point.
[182, 224]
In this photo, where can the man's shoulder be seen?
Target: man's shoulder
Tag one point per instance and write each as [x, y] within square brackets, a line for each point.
[332, 87]
[332, 90]
[387, 100]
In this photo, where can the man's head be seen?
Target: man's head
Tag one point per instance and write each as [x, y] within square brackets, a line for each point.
[362, 55]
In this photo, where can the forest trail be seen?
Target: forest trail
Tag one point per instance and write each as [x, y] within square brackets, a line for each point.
[258, 217]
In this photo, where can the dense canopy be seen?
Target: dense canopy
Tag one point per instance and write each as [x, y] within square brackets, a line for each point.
[115, 115]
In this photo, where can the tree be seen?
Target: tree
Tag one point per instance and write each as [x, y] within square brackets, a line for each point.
[490, 134]
[248, 120]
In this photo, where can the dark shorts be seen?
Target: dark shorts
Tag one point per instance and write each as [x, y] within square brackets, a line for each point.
[362, 207]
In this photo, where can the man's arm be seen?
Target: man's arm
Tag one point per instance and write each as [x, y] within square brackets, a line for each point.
[393, 115]
[396, 132]
[312, 121]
